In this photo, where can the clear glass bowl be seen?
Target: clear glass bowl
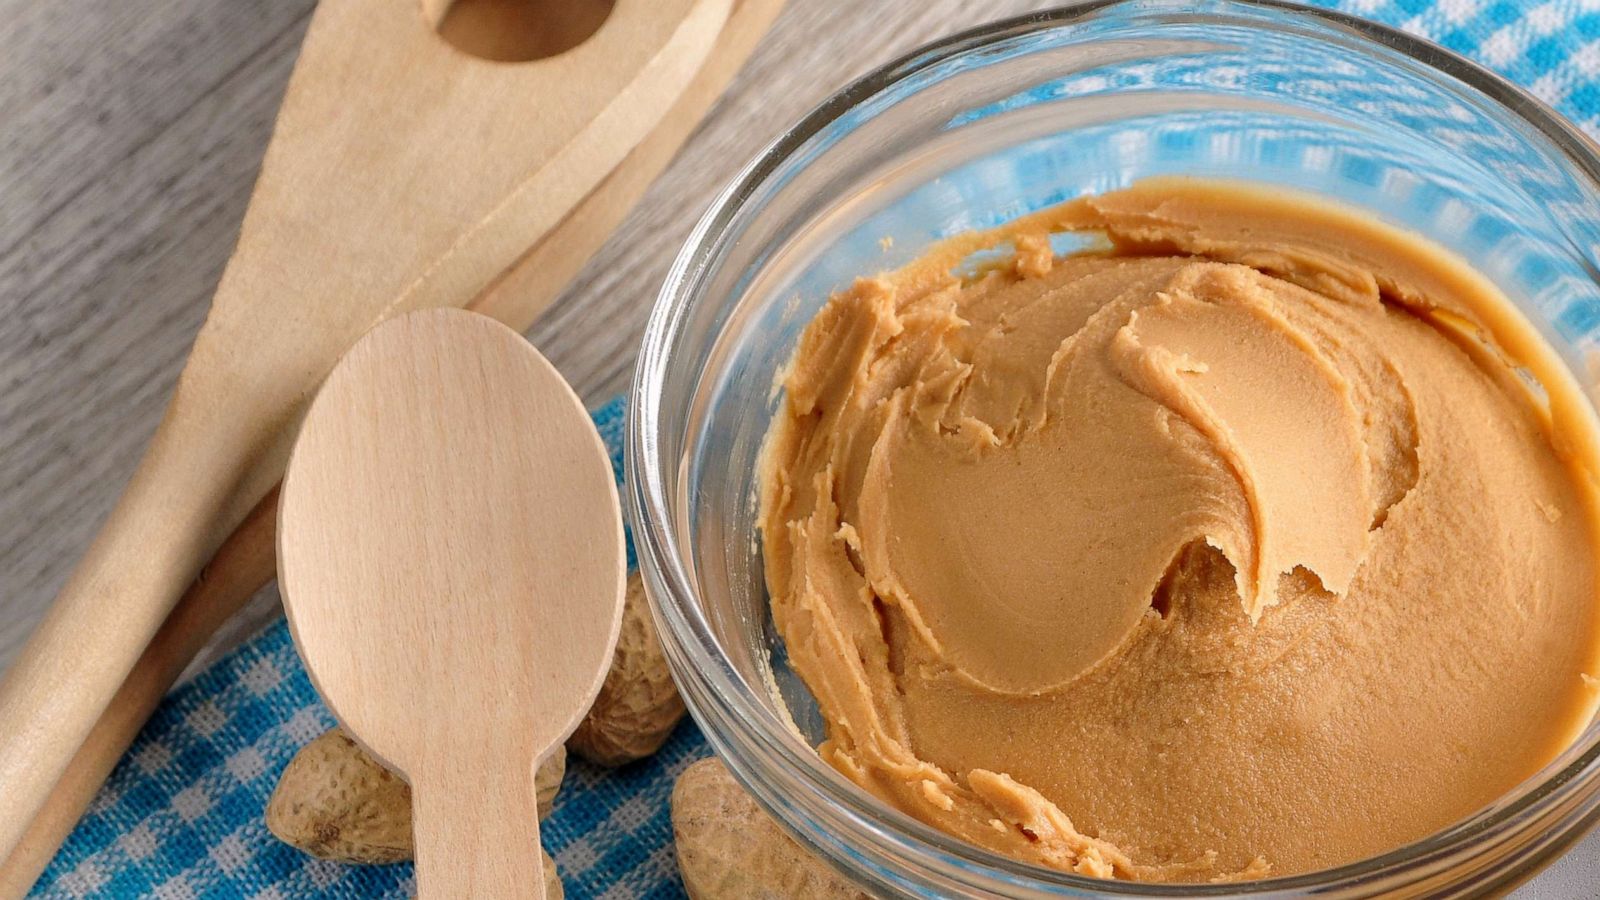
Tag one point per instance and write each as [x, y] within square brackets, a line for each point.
[994, 123]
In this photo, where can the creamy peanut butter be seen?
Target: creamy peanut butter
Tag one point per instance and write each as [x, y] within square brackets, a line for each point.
[1224, 550]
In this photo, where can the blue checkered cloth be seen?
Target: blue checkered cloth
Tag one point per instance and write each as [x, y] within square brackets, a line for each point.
[181, 816]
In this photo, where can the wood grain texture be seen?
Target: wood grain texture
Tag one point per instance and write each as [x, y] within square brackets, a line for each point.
[133, 132]
[139, 127]
[245, 562]
[450, 553]
[402, 174]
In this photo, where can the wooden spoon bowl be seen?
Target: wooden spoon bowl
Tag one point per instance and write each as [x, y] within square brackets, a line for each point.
[450, 553]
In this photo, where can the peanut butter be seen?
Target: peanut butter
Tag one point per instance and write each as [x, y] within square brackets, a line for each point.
[1239, 545]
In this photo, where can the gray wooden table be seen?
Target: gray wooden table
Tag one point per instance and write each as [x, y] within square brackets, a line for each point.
[130, 134]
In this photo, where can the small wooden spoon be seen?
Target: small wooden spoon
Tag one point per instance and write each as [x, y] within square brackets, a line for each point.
[450, 555]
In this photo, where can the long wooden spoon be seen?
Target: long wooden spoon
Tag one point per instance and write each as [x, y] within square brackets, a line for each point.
[402, 174]
[450, 555]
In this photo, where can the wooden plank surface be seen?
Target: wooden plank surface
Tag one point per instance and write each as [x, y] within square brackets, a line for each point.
[131, 135]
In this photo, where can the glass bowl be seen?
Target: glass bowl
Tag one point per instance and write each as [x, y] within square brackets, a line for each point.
[976, 130]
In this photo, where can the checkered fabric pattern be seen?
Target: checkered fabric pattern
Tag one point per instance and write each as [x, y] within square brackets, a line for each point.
[181, 815]
[1550, 47]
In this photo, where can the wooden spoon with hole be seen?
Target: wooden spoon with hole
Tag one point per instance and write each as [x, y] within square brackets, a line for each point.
[403, 173]
[450, 556]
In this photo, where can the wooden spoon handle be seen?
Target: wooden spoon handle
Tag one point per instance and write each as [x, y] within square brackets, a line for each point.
[476, 825]
[175, 512]
[240, 568]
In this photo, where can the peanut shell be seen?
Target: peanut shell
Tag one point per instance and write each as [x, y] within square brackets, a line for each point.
[638, 704]
[336, 802]
[730, 849]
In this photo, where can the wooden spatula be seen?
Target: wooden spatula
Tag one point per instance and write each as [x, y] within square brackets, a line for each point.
[450, 555]
[403, 173]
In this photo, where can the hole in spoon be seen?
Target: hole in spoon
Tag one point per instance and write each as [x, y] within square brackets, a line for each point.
[516, 30]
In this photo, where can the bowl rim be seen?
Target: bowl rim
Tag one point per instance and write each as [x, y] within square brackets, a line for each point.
[685, 628]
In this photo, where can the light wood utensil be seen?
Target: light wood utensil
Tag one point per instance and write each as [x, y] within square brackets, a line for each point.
[245, 562]
[402, 174]
[450, 554]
